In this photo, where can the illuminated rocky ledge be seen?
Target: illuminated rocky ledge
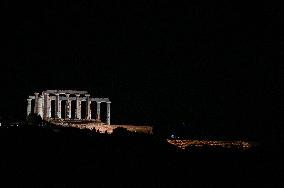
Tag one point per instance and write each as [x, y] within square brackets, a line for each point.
[185, 144]
[102, 127]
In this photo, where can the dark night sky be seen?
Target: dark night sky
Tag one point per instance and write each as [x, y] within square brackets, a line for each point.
[159, 62]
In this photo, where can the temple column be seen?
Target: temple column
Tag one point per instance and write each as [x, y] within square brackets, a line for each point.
[57, 111]
[98, 111]
[68, 107]
[40, 106]
[78, 106]
[49, 106]
[108, 113]
[36, 103]
[45, 106]
[29, 107]
[88, 104]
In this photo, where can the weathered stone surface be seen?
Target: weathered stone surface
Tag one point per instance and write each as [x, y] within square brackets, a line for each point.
[49, 107]
[36, 103]
[66, 91]
[40, 106]
[108, 113]
[88, 106]
[43, 104]
[29, 107]
[78, 107]
[57, 110]
[98, 118]
[83, 98]
[68, 107]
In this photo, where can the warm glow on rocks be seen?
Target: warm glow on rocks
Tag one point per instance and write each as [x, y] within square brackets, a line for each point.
[104, 128]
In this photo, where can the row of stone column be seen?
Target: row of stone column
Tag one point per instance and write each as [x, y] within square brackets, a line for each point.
[42, 107]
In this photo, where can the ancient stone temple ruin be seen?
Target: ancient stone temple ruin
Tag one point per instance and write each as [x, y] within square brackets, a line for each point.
[42, 105]
[71, 108]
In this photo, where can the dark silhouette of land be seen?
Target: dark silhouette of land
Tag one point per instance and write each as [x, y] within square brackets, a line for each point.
[57, 156]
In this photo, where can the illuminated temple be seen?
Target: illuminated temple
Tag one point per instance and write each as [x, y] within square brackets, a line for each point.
[64, 107]
[43, 107]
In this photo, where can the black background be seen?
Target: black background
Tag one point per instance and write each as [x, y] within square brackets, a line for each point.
[160, 62]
